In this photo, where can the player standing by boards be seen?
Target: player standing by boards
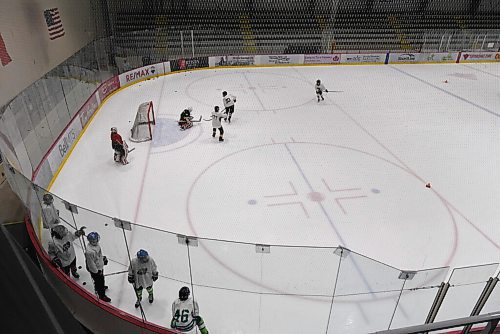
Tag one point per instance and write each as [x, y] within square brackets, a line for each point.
[216, 124]
[61, 249]
[142, 273]
[95, 263]
[228, 101]
[120, 147]
[50, 214]
[320, 88]
[185, 314]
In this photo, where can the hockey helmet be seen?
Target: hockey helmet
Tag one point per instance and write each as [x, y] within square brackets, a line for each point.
[184, 293]
[143, 255]
[114, 129]
[189, 109]
[224, 93]
[59, 231]
[216, 108]
[93, 238]
[318, 82]
[48, 199]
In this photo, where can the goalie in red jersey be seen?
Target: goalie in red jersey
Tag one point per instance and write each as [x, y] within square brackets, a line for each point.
[120, 146]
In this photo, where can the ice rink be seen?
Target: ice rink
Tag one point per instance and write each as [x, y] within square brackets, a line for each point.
[348, 171]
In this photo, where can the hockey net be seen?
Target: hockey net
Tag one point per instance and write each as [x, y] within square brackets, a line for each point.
[143, 124]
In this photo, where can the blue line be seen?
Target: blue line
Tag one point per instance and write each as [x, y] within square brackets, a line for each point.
[445, 91]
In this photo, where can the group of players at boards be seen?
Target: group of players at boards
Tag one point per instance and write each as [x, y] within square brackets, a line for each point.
[142, 271]
[186, 119]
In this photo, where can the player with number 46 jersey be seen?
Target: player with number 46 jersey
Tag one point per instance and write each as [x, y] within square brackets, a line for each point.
[185, 314]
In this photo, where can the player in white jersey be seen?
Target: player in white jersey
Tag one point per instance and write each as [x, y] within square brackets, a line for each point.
[61, 249]
[50, 214]
[185, 314]
[216, 124]
[320, 88]
[95, 263]
[142, 273]
[228, 101]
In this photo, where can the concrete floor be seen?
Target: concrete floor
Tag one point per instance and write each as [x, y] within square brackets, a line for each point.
[11, 208]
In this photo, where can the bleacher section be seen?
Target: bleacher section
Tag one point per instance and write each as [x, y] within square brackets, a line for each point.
[167, 36]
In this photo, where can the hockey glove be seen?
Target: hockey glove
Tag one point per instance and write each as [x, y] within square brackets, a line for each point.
[155, 277]
[131, 279]
[326, 90]
[105, 260]
[80, 232]
[99, 272]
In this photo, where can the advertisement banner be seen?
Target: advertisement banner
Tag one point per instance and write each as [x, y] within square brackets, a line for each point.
[479, 56]
[439, 57]
[108, 87]
[187, 64]
[140, 73]
[88, 109]
[279, 59]
[322, 59]
[63, 144]
[363, 58]
[404, 58]
[231, 61]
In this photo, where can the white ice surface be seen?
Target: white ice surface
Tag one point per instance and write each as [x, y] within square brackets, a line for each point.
[349, 171]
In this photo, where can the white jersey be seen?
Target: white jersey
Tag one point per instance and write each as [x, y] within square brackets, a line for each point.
[142, 272]
[216, 117]
[93, 258]
[228, 100]
[50, 215]
[184, 311]
[63, 249]
[319, 88]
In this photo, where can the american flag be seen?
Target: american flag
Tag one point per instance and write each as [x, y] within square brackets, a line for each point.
[4, 55]
[54, 24]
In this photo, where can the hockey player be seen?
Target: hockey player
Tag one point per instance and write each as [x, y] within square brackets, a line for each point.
[185, 121]
[95, 263]
[185, 314]
[320, 88]
[50, 214]
[61, 248]
[228, 101]
[120, 146]
[216, 124]
[142, 273]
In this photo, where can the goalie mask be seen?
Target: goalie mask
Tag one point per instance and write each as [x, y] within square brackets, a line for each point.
[48, 199]
[184, 293]
[190, 109]
[93, 238]
[113, 129]
[59, 231]
[143, 256]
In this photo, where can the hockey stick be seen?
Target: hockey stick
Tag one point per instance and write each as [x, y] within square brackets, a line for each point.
[196, 121]
[333, 91]
[133, 148]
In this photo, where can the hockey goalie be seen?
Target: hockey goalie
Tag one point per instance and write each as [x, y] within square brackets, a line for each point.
[120, 146]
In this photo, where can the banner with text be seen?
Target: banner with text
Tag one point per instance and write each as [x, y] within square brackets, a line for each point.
[439, 57]
[479, 56]
[141, 73]
[322, 59]
[363, 58]
[187, 64]
[62, 145]
[231, 61]
[108, 87]
[279, 60]
[88, 109]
